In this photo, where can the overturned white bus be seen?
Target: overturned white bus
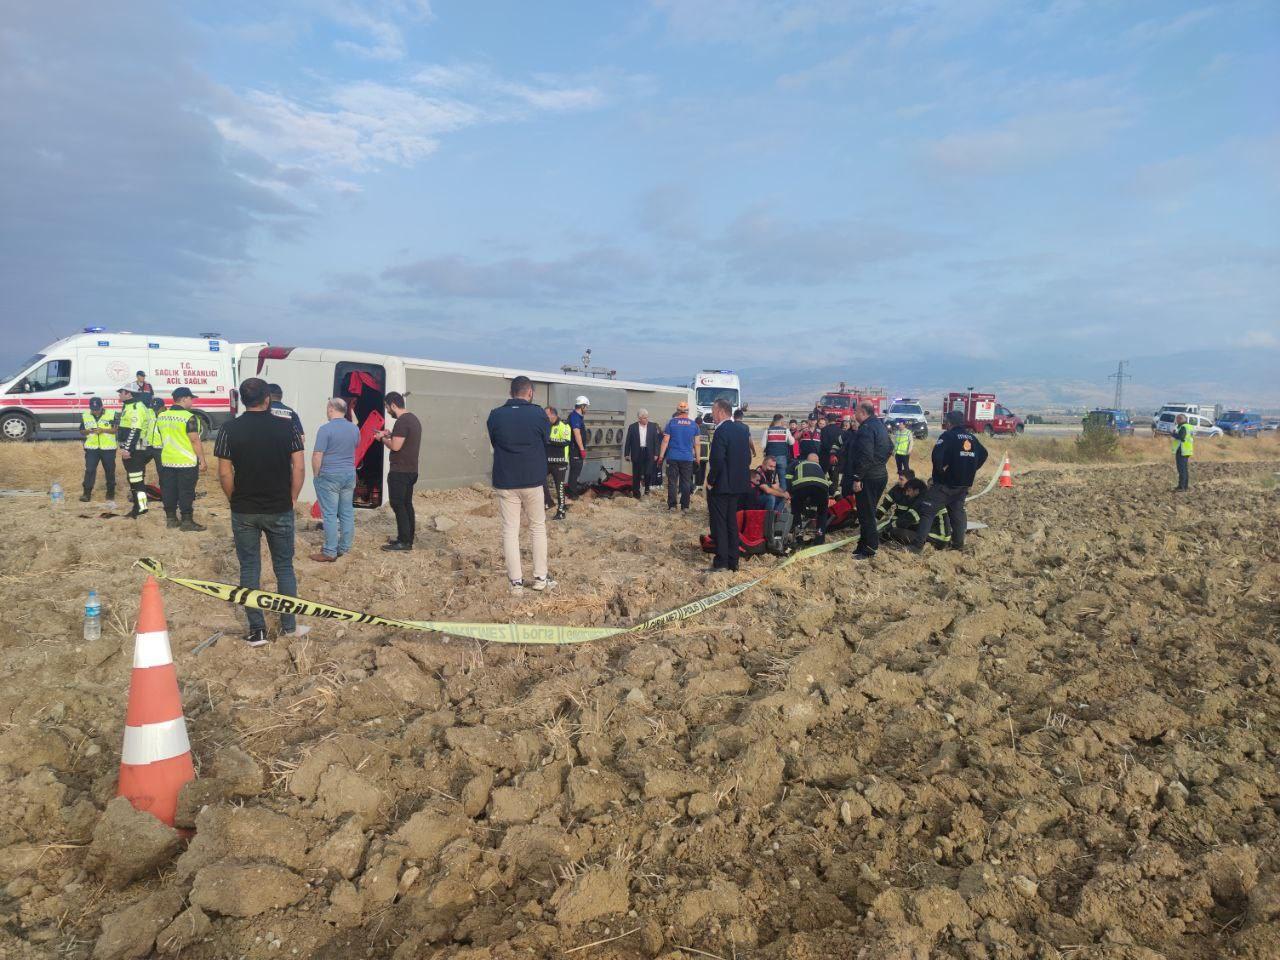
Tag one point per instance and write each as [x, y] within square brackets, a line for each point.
[453, 401]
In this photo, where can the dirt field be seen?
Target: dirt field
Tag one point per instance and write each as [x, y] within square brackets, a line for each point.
[1061, 744]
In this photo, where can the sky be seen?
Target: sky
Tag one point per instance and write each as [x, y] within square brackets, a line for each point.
[1023, 187]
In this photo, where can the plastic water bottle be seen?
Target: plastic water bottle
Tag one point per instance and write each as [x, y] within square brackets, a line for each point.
[92, 617]
[55, 494]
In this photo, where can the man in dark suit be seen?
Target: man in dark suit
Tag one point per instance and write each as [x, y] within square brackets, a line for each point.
[642, 450]
[728, 482]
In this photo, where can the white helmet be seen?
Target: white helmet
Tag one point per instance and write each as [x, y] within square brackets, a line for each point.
[582, 402]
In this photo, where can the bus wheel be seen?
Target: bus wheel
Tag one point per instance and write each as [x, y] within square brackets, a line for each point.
[16, 427]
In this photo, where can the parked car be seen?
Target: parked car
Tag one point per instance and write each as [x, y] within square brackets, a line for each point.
[1117, 421]
[1240, 423]
[1164, 425]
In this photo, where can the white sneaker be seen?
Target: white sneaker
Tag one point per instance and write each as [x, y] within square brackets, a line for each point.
[543, 583]
[517, 588]
[297, 632]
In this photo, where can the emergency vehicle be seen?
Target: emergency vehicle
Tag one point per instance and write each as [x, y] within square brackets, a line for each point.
[52, 389]
[841, 401]
[909, 411]
[982, 413]
[712, 385]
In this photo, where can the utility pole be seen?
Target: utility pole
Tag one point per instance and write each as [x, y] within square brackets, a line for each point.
[1120, 377]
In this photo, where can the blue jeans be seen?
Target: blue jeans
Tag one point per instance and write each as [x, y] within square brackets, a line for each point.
[771, 503]
[247, 530]
[781, 461]
[334, 491]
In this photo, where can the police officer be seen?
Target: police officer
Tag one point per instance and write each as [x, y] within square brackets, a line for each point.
[902, 446]
[957, 456]
[132, 441]
[777, 444]
[557, 462]
[154, 443]
[181, 461]
[810, 488]
[809, 440]
[1184, 445]
[98, 427]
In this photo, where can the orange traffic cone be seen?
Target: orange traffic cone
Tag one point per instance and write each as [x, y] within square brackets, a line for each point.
[1006, 474]
[156, 761]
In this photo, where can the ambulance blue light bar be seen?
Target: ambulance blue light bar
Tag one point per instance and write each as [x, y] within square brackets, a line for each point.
[95, 329]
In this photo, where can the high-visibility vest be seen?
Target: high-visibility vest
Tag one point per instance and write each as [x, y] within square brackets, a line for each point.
[561, 437]
[99, 441]
[1187, 446]
[808, 472]
[173, 426]
[902, 442]
[152, 432]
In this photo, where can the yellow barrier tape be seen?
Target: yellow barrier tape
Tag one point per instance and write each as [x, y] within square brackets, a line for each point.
[521, 633]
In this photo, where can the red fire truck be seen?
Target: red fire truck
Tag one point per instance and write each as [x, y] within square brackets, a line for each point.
[982, 413]
[841, 401]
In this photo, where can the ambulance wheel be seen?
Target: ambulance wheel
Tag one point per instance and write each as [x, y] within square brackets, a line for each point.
[206, 428]
[17, 427]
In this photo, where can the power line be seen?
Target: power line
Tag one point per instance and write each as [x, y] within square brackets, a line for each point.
[1120, 377]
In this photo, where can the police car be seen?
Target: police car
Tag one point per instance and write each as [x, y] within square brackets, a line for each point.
[909, 410]
[51, 391]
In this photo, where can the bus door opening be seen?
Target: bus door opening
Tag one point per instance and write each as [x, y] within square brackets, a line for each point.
[363, 386]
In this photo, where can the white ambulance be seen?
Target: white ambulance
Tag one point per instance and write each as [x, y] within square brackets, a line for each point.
[712, 385]
[52, 390]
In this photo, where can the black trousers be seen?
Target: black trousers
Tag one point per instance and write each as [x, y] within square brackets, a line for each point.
[136, 470]
[553, 490]
[940, 496]
[679, 478]
[902, 461]
[400, 493]
[640, 465]
[722, 510]
[575, 471]
[108, 460]
[846, 484]
[868, 498]
[832, 471]
[810, 497]
[1184, 471]
[178, 490]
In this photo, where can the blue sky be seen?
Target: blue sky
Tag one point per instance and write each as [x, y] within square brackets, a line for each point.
[676, 183]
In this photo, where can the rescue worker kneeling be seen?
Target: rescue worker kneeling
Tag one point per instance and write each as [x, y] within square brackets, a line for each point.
[898, 516]
[810, 489]
[181, 460]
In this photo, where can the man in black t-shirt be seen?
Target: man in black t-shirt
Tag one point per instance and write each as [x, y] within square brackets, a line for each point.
[405, 443]
[260, 468]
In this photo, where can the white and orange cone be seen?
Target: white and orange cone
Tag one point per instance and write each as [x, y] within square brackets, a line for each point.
[1006, 473]
[156, 761]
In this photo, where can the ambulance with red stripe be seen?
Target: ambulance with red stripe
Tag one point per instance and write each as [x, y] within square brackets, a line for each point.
[52, 390]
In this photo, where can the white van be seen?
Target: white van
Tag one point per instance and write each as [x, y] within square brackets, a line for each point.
[1165, 424]
[712, 385]
[52, 390]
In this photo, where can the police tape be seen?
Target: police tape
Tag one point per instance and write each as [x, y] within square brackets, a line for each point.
[516, 633]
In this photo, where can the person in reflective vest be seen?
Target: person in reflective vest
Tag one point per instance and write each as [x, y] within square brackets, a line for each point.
[777, 444]
[557, 462]
[154, 442]
[810, 489]
[131, 439]
[898, 516]
[1184, 444]
[902, 446]
[98, 427]
[181, 461]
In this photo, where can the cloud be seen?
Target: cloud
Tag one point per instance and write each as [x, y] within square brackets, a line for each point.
[121, 203]
[1160, 29]
[366, 125]
[667, 211]
[590, 271]
[764, 248]
[1025, 141]
[378, 21]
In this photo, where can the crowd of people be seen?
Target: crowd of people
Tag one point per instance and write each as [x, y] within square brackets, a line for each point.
[538, 459]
